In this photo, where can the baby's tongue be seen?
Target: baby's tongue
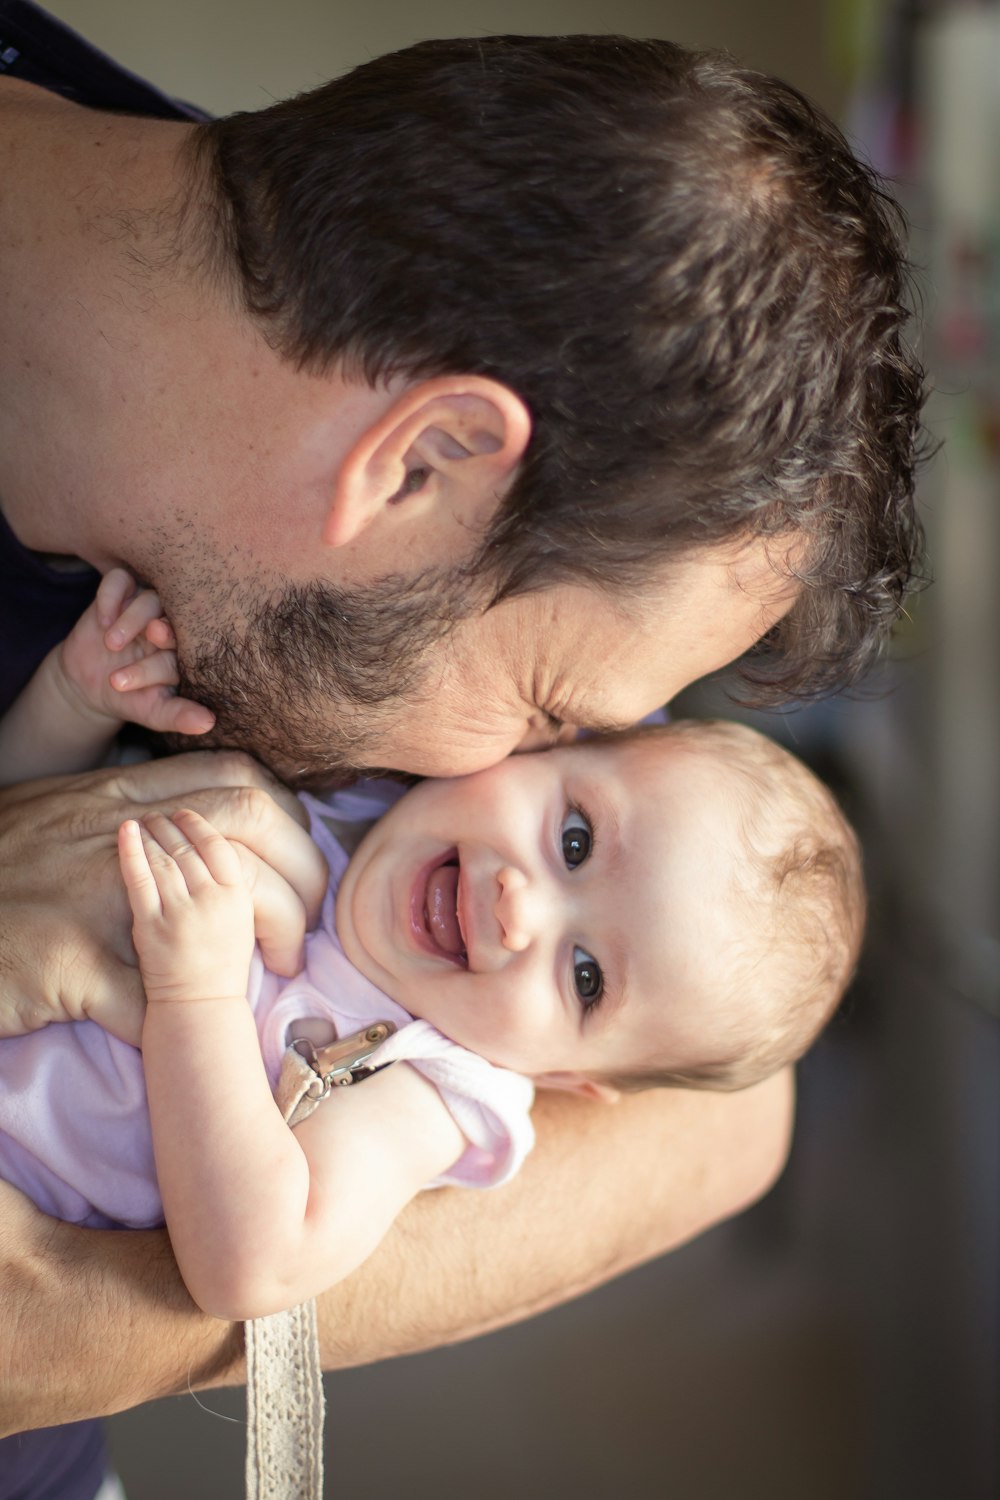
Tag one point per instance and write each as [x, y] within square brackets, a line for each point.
[442, 919]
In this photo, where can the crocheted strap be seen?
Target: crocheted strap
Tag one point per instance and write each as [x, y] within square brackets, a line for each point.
[284, 1407]
[284, 1373]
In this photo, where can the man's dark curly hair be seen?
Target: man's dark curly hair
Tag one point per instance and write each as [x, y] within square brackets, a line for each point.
[676, 262]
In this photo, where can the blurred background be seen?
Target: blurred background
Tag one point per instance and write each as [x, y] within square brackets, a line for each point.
[841, 1341]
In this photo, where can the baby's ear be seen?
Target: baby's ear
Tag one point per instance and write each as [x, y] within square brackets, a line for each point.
[576, 1083]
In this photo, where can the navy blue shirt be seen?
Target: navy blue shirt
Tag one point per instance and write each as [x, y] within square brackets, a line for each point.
[38, 605]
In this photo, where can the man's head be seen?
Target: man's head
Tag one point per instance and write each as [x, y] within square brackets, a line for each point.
[495, 377]
[676, 264]
[681, 905]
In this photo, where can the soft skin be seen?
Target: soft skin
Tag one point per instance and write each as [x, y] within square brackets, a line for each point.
[566, 915]
[569, 914]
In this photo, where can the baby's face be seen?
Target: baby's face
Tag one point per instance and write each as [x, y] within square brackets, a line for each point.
[567, 913]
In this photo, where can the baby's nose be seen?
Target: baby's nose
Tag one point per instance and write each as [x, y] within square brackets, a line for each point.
[512, 909]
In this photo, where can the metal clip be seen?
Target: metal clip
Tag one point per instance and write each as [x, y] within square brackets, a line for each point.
[344, 1061]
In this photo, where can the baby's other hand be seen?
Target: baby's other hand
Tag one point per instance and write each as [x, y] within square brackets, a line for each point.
[120, 660]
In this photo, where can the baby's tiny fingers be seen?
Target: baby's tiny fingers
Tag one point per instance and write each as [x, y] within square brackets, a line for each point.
[134, 619]
[159, 669]
[160, 633]
[186, 856]
[166, 872]
[143, 895]
[215, 849]
[113, 593]
[181, 716]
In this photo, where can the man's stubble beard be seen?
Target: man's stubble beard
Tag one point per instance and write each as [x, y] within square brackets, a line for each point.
[314, 678]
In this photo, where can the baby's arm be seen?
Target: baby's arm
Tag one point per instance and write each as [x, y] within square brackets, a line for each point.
[118, 663]
[259, 1217]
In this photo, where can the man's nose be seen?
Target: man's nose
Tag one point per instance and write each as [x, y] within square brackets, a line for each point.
[513, 909]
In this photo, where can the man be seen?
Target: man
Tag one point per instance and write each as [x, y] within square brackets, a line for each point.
[496, 390]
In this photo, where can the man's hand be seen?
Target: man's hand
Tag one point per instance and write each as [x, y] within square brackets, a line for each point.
[65, 946]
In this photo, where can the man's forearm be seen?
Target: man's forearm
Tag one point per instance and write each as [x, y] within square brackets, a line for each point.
[607, 1188]
[100, 1321]
[96, 1321]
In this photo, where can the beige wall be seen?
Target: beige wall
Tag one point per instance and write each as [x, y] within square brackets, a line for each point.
[239, 54]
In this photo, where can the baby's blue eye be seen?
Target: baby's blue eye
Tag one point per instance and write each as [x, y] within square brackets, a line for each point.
[577, 838]
[587, 977]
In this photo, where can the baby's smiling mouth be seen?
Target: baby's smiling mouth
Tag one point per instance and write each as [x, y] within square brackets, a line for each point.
[441, 908]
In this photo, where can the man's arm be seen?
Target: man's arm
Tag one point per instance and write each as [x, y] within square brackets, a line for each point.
[607, 1187]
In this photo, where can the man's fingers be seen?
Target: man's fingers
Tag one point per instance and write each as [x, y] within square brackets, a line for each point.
[177, 776]
[245, 814]
[287, 850]
[279, 915]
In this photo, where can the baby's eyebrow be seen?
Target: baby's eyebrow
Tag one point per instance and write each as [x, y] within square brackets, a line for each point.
[616, 987]
[611, 849]
[608, 833]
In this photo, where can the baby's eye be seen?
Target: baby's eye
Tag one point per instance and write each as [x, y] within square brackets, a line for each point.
[577, 838]
[587, 977]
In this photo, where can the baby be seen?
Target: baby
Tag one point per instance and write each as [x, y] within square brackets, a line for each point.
[672, 906]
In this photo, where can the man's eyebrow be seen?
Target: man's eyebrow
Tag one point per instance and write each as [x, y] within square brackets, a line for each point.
[592, 720]
[609, 726]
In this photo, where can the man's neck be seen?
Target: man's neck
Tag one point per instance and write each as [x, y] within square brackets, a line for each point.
[81, 209]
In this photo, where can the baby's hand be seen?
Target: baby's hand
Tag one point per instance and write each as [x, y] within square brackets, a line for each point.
[191, 907]
[119, 661]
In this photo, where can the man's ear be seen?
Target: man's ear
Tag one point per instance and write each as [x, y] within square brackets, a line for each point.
[576, 1083]
[446, 446]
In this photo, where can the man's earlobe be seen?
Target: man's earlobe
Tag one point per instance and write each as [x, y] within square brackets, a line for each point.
[576, 1083]
[450, 444]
